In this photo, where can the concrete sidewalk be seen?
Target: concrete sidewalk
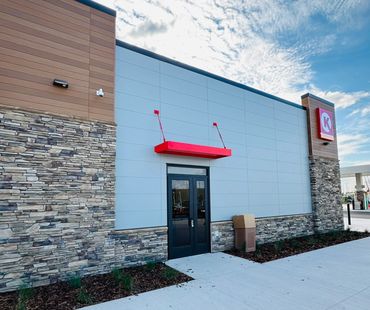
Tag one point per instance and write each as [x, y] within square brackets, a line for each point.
[336, 277]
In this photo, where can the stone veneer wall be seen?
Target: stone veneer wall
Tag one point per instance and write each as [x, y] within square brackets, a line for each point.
[268, 229]
[57, 182]
[326, 194]
[222, 236]
[138, 246]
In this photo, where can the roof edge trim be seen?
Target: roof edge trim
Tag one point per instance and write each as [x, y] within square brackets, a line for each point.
[317, 98]
[98, 7]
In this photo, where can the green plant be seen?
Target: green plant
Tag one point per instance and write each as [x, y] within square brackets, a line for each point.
[21, 305]
[123, 279]
[335, 234]
[294, 243]
[278, 246]
[258, 251]
[127, 282]
[150, 266]
[311, 240]
[25, 294]
[169, 273]
[117, 275]
[75, 282]
[84, 297]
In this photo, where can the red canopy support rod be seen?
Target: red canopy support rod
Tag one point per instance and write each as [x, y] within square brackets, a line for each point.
[156, 112]
[219, 133]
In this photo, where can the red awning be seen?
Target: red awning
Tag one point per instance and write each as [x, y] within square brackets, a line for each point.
[194, 150]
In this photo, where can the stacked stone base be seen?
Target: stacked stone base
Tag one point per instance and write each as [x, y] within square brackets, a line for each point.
[139, 246]
[268, 229]
[24, 264]
[57, 202]
[326, 194]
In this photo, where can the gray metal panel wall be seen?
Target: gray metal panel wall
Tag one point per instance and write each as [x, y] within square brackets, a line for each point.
[267, 175]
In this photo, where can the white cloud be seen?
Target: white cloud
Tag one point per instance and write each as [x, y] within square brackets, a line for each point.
[351, 143]
[362, 112]
[240, 40]
[342, 99]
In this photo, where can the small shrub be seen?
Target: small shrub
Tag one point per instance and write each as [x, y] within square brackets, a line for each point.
[83, 297]
[127, 282]
[278, 246]
[75, 282]
[21, 305]
[170, 273]
[258, 251]
[336, 234]
[25, 294]
[117, 275]
[123, 279]
[311, 241]
[150, 266]
[294, 243]
[366, 231]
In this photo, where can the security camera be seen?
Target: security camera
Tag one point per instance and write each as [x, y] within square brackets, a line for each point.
[100, 92]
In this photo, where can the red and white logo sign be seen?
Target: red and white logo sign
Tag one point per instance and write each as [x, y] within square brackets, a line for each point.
[326, 124]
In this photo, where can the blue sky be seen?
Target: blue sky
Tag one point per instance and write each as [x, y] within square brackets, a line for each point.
[286, 48]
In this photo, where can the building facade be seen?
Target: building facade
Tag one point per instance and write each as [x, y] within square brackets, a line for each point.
[87, 180]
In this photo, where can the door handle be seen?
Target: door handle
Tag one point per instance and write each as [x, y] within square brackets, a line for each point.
[192, 223]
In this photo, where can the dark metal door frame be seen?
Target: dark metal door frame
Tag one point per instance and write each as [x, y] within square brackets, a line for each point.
[195, 247]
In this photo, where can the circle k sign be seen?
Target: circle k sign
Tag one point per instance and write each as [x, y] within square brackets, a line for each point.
[326, 124]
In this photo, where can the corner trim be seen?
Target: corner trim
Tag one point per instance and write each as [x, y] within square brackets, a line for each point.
[98, 7]
[205, 73]
[317, 98]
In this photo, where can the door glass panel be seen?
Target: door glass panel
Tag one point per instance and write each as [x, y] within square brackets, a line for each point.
[187, 170]
[181, 211]
[201, 211]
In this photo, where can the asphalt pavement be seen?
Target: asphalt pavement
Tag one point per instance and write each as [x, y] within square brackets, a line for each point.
[360, 220]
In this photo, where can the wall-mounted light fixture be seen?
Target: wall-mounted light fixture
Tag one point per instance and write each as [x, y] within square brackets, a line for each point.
[326, 143]
[60, 83]
[100, 92]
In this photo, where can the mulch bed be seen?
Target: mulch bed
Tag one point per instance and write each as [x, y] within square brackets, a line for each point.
[94, 289]
[280, 249]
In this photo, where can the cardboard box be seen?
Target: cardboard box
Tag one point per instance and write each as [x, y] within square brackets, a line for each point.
[245, 239]
[244, 221]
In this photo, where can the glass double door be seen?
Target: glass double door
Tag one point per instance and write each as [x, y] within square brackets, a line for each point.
[188, 215]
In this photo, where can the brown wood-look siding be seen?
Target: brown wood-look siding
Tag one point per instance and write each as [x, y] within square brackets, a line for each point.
[41, 40]
[316, 146]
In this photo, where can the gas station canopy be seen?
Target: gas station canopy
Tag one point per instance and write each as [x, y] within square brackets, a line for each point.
[351, 171]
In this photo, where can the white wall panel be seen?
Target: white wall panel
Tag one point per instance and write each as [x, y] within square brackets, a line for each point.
[138, 73]
[184, 100]
[219, 86]
[137, 88]
[267, 175]
[123, 54]
[180, 73]
[183, 86]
